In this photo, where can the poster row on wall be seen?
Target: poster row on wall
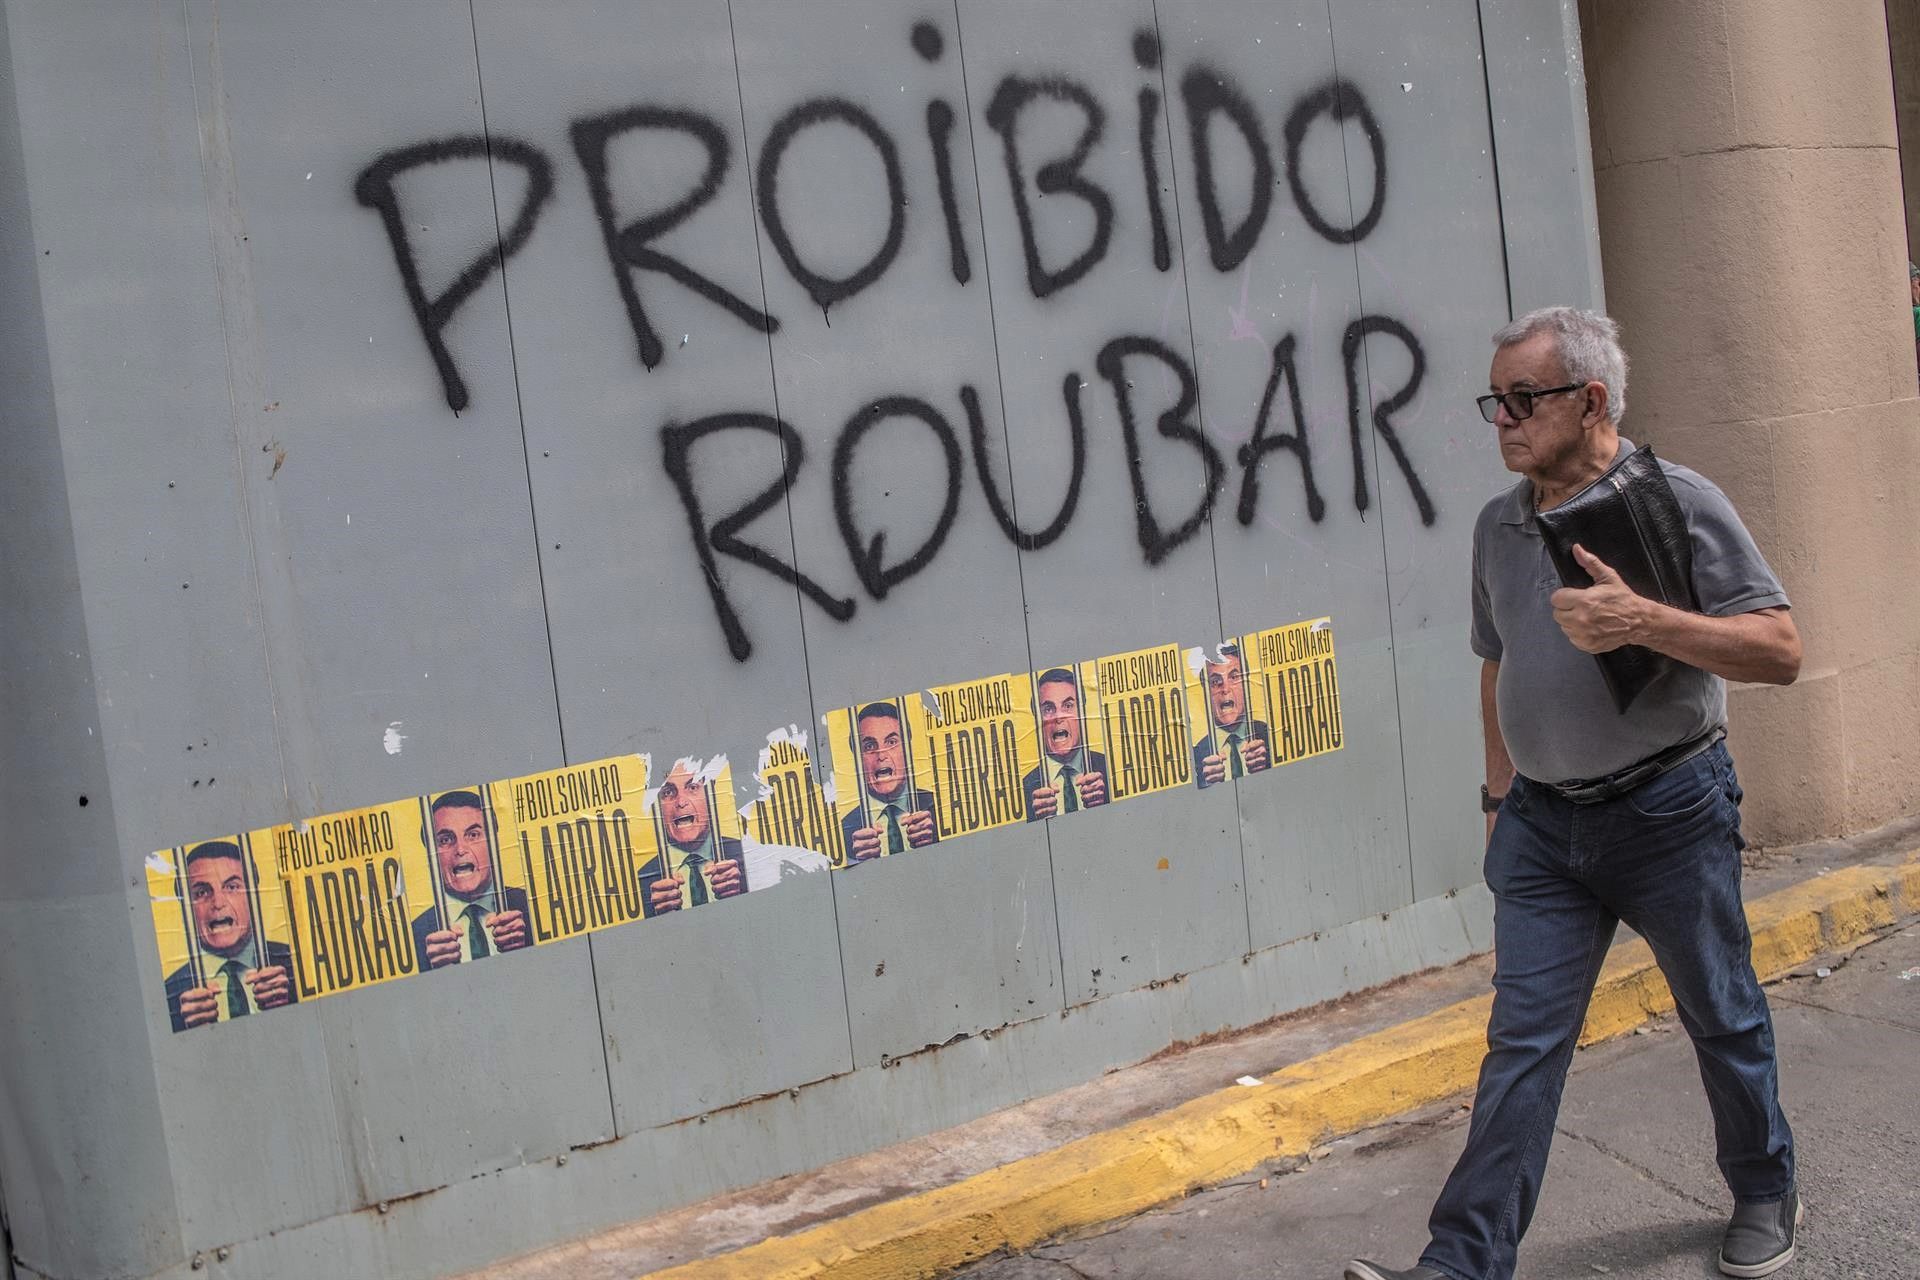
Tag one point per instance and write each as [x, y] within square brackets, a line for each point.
[298, 912]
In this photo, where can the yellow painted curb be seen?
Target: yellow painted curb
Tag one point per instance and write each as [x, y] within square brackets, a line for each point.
[1121, 1171]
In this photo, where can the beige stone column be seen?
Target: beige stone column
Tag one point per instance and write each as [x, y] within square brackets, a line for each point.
[1754, 250]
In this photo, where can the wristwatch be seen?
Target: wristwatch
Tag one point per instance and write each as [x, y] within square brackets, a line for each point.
[1489, 803]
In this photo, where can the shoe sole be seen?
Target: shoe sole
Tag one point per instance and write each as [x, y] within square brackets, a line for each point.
[1361, 1271]
[1771, 1265]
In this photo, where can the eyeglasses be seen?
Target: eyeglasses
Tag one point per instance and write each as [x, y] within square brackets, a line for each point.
[1520, 403]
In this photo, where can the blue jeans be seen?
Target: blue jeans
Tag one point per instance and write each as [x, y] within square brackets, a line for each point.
[1665, 858]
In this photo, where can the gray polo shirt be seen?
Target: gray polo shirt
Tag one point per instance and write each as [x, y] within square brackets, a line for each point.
[1555, 713]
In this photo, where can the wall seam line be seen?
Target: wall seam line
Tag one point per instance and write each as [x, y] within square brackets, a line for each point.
[1200, 421]
[1013, 501]
[793, 538]
[1493, 153]
[533, 519]
[1380, 505]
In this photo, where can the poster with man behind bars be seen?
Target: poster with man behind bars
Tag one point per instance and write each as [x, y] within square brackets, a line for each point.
[698, 857]
[220, 923]
[882, 774]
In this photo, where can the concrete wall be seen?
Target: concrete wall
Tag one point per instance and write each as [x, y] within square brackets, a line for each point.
[1748, 180]
[264, 504]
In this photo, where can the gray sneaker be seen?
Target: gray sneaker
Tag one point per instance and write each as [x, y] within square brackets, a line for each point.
[1759, 1239]
[1361, 1269]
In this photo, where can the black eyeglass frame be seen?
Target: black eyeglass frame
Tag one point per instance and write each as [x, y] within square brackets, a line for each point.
[1486, 403]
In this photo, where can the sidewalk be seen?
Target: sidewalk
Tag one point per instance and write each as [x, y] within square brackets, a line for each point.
[1631, 1190]
[1154, 1132]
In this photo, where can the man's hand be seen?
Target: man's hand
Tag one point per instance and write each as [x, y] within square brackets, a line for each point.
[271, 986]
[508, 929]
[1092, 788]
[443, 948]
[724, 878]
[1253, 752]
[199, 1006]
[1046, 800]
[917, 826]
[1604, 616]
[664, 893]
[1213, 769]
[866, 844]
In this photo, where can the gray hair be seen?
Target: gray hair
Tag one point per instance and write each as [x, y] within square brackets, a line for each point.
[1587, 343]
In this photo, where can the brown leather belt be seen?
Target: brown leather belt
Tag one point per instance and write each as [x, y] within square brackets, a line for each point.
[1594, 790]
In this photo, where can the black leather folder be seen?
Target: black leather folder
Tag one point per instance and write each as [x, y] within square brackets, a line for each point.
[1631, 520]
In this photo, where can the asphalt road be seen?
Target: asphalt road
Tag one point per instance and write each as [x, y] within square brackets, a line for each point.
[1631, 1190]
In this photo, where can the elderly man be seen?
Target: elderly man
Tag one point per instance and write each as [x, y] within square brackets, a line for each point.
[1605, 816]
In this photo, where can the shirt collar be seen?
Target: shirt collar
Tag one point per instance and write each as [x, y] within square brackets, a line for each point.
[248, 956]
[703, 851]
[1518, 507]
[1077, 761]
[487, 899]
[901, 800]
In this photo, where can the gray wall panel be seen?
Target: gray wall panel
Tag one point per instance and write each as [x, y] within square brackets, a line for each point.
[440, 628]
[913, 977]
[1092, 592]
[642, 663]
[1537, 89]
[706, 1009]
[157, 475]
[1284, 565]
[1434, 263]
[185, 713]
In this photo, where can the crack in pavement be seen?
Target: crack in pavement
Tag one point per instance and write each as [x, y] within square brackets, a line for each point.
[1062, 1262]
[1640, 1169]
[1846, 1013]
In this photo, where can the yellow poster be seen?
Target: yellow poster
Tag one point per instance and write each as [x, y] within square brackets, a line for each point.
[697, 857]
[578, 837]
[221, 926]
[1229, 740]
[982, 744]
[479, 904]
[883, 774]
[1144, 720]
[353, 886]
[792, 810]
[1070, 773]
[1296, 689]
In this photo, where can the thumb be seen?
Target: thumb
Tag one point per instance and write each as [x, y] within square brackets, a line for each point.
[1596, 567]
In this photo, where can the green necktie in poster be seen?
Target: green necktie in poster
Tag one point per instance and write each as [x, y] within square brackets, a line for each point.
[236, 991]
[476, 932]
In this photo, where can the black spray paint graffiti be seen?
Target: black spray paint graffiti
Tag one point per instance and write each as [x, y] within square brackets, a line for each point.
[1208, 97]
[375, 189]
[1159, 534]
[1146, 52]
[824, 290]
[929, 44]
[627, 247]
[1205, 92]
